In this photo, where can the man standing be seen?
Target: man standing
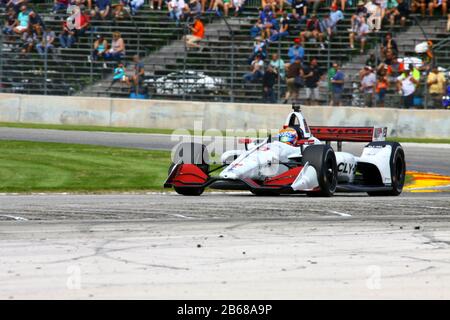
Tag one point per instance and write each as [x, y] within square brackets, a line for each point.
[139, 73]
[436, 86]
[406, 86]
[337, 86]
[268, 81]
[292, 73]
[368, 85]
[311, 74]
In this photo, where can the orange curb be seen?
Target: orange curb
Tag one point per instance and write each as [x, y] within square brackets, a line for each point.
[427, 182]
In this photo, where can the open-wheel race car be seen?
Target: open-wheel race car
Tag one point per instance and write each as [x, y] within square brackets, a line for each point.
[300, 160]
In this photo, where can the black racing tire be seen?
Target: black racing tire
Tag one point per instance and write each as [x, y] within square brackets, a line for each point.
[323, 159]
[189, 191]
[191, 153]
[397, 164]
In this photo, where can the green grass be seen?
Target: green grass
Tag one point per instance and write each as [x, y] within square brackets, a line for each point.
[56, 167]
[167, 131]
[419, 140]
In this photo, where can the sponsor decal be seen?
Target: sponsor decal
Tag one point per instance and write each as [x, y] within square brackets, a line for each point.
[346, 168]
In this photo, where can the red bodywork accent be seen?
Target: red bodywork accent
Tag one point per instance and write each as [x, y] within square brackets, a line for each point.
[286, 178]
[245, 140]
[188, 174]
[353, 134]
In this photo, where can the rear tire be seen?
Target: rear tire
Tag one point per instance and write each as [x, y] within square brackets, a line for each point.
[398, 170]
[191, 153]
[323, 159]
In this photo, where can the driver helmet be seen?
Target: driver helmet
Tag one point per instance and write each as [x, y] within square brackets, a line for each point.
[288, 136]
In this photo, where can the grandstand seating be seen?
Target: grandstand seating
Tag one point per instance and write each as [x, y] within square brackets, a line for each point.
[151, 34]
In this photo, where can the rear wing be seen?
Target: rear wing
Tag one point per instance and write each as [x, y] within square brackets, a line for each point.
[351, 134]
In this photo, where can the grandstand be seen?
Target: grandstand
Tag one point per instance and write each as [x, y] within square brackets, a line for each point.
[223, 57]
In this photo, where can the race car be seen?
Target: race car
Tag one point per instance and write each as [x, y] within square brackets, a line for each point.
[300, 160]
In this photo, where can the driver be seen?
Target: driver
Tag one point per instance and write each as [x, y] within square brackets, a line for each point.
[288, 136]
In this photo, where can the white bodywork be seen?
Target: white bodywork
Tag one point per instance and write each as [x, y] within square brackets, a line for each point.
[262, 160]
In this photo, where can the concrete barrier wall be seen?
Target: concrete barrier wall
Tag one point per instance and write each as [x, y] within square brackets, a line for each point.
[180, 114]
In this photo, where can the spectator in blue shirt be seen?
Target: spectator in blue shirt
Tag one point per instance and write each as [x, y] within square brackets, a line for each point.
[283, 29]
[337, 86]
[102, 9]
[296, 50]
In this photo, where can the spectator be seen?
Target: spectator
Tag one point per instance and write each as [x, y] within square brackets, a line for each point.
[360, 35]
[267, 21]
[436, 86]
[36, 23]
[299, 9]
[293, 79]
[336, 15]
[388, 44]
[259, 48]
[225, 5]
[296, 51]
[256, 30]
[268, 81]
[60, 6]
[23, 20]
[335, 4]
[435, 4]
[329, 26]
[237, 4]
[313, 30]
[118, 9]
[419, 5]
[15, 5]
[30, 39]
[278, 66]
[198, 33]
[448, 23]
[368, 85]
[68, 35]
[382, 87]
[331, 73]
[46, 44]
[102, 9]
[100, 48]
[374, 15]
[194, 8]
[361, 12]
[395, 66]
[406, 86]
[337, 86]
[117, 50]
[10, 23]
[403, 11]
[158, 4]
[371, 61]
[257, 68]
[139, 72]
[176, 10]
[135, 5]
[311, 74]
[119, 76]
[283, 30]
